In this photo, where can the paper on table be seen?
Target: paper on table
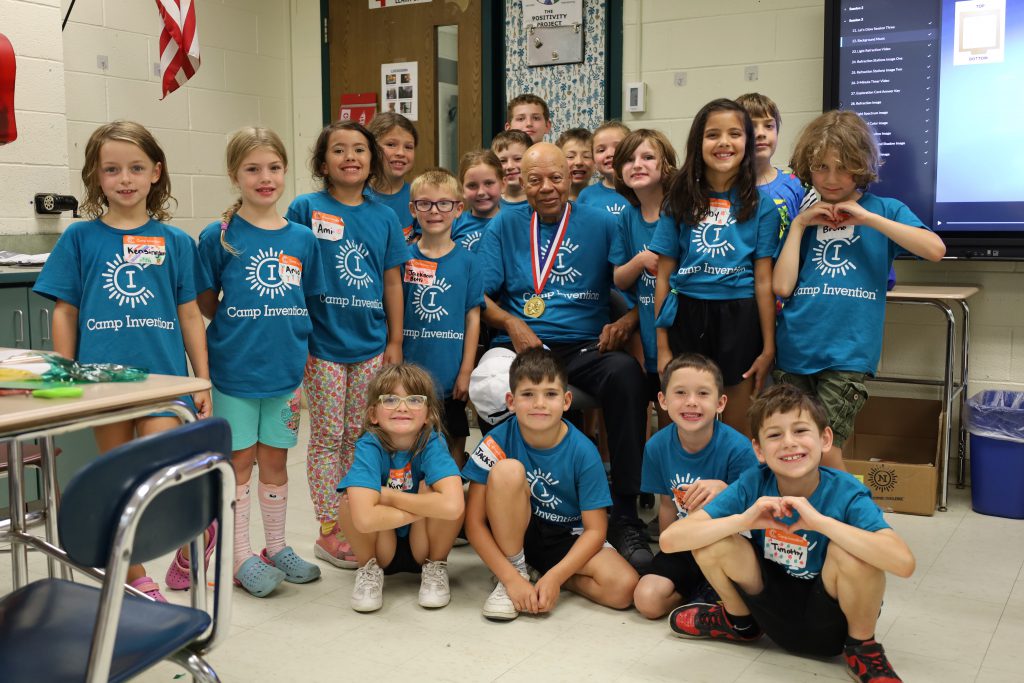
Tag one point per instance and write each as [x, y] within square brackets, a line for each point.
[20, 359]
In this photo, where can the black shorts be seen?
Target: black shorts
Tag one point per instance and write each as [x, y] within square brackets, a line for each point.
[798, 614]
[455, 421]
[679, 568]
[403, 561]
[546, 544]
[728, 332]
[653, 386]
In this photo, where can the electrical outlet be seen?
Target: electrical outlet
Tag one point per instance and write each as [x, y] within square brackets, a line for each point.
[102, 63]
[680, 79]
[750, 73]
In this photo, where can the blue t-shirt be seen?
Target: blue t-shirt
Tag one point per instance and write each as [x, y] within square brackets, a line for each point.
[787, 193]
[716, 258]
[840, 287]
[601, 197]
[521, 205]
[668, 466]
[467, 230]
[259, 337]
[564, 481]
[576, 293]
[357, 244]
[839, 495]
[636, 235]
[373, 467]
[436, 304]
[399, 203]
[127, 303]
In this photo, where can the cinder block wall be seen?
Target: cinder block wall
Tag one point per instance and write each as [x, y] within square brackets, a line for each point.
[712, 42]
[260, 65]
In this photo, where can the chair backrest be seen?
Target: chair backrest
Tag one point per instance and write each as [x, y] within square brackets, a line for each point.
[93, 501]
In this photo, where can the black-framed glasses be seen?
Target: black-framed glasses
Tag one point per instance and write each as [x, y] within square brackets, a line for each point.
[443, 205]
[414, 402]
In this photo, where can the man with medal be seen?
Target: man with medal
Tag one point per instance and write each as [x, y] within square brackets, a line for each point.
[547, 279]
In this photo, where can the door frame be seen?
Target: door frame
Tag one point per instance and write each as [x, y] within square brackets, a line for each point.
[494, 48]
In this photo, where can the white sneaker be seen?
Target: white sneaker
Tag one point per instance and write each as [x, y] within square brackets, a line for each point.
[499, 606]
[434, 590]
[368, 593]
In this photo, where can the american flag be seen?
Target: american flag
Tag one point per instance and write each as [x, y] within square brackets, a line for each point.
[179, 43]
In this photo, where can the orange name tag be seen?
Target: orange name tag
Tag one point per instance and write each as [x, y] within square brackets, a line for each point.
[488, 453]
[420, 272]
[290, 269]
[718, 214]
[327, 226]
[145, 251]
[782, 547]
[400, 478]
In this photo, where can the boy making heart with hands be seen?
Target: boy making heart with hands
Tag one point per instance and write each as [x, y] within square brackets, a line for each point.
[832, 268]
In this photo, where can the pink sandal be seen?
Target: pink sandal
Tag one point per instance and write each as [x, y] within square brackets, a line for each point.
[149, 587]
[178, 574]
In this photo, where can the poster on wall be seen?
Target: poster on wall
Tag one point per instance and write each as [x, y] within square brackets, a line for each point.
[552, 13]
[399, 89]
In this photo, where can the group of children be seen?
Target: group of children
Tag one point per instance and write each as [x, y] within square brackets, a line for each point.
[368, 295]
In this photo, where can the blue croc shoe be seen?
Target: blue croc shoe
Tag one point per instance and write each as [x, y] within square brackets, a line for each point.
[258, 577]
[296, 569]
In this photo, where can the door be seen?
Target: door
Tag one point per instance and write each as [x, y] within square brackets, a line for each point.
[362, 39]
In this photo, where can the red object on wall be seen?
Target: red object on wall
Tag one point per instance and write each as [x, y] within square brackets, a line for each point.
[8, 127]
[360, 106]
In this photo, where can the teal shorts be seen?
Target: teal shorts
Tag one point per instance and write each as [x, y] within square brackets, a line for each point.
[272, 421]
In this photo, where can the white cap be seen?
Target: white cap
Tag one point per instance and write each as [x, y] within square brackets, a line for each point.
[488, 385]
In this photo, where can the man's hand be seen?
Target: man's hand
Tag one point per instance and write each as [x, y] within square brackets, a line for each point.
[613, 337]
[521, 335]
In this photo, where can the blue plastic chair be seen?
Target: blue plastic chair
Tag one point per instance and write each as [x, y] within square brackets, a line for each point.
[138, 502]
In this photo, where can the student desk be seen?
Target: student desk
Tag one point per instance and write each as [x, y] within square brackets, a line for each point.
[23, 418]
[943, 297]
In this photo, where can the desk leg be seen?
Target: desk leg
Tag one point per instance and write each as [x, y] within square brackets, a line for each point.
[50, 496]
[947, 401]
[15, 484]
[965, 343]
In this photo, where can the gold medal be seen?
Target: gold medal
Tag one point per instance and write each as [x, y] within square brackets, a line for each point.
[534, 307]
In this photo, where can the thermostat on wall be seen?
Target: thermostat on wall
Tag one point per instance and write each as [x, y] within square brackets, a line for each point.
[636, 93]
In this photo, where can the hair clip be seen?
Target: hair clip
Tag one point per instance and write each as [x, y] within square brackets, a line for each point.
[223, 226]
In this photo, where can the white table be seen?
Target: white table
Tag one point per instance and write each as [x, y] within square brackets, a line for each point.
[941, 297]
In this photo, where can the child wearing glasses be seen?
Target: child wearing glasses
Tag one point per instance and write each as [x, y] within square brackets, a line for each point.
[357, 322]
[401, 504]
[443, 296]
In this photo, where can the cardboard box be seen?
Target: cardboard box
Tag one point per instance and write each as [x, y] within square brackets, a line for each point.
[895, 450]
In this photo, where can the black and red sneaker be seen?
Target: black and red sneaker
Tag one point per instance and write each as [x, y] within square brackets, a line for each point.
[868, 664]
[701, 620]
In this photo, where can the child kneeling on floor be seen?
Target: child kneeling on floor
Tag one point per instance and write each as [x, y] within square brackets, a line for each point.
[538, 495]
[811, 575]
[402, 499]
